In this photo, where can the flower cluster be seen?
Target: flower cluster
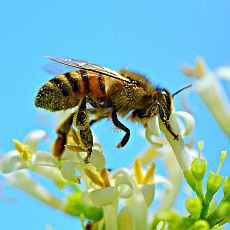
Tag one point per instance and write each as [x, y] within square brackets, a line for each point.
[202, 213]
[109, 198]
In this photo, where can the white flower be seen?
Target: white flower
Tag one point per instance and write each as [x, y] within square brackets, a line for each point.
[26, 156]
[210, 89]
[173, 182]
[179, 147]
[130, 189]
[22, 180]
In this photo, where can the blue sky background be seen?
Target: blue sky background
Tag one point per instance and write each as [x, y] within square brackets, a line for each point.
[152, 37]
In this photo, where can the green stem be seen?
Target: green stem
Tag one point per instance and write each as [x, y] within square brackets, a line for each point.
[214, 218]
[206, 203]
[199, 190]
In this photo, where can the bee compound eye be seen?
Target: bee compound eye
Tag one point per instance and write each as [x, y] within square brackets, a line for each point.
[164, 93]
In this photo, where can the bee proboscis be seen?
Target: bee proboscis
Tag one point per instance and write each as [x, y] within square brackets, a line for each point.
[109, 93]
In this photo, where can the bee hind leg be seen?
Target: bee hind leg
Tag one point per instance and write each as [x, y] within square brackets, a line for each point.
[119, 125]
[84, 133]
[62, 131]
[164, 115]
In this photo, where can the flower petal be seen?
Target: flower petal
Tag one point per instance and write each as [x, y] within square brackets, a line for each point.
[149, 155]
[45, 159]
[103, 197]
[216, 99]
[97, 158]
[153, 126]
[124, 186]
[138, 205]
[224, 72]
[23, 181]
[68, 170]
[154, 143]
[69, 155]
[33, 139]
[121, 172]
[50, 172]
[148, 191]
[126, 219]
[12, 161]
[189, 121]
[162, 180]
[174, 180]
[179, 147]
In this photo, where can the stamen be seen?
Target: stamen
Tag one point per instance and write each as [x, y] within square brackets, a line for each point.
[198, 71]
[200, 147]
[105, 178]
[222, 159]
[149, 173]
[82, 219]
[138, 170]
[94, 177]
[74, 148]
[22, 149]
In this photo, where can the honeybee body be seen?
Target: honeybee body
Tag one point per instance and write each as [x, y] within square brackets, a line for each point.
[109, 93]
[66, 90]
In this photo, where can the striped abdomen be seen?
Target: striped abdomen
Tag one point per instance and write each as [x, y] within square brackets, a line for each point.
[64, 91]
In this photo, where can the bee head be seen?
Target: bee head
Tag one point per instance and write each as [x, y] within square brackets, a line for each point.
[165, 98]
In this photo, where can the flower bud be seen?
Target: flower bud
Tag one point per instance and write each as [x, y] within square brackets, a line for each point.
[212, 186]
[201, 225]
[172, 217]
[226, 189]
[198, 168]
[75, 207]
[194, 206]
[190, 179]
[224, 210]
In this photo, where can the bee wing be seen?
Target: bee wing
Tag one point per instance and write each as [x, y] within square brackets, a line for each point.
[89, 66]
[54, 68]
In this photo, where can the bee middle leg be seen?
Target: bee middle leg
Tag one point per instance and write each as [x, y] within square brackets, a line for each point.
[96, 110]
[94, 103]
[165, 119]
[84, 133]
[119, 125]
[99, 114]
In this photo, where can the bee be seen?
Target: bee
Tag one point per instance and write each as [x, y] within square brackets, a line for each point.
[109, 93]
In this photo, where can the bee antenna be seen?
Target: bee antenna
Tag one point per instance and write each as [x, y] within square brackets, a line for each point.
[188, 86]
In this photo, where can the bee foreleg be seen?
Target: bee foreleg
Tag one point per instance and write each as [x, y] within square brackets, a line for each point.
[119, 125]
[62, 132]
[165, 119]
[84, 134]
